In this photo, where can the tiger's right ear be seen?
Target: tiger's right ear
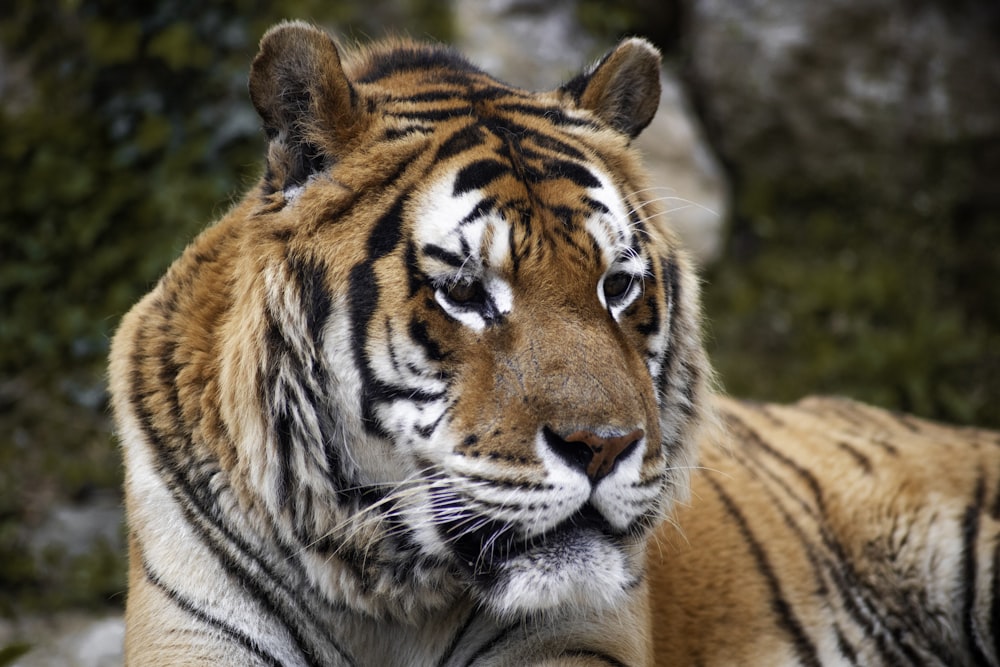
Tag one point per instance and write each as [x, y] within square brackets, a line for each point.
[308, 106]
[623, 88]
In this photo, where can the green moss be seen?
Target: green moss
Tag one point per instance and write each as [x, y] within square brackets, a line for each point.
[847, 296]
[11, 652]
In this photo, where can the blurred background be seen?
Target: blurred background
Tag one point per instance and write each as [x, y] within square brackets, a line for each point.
[835, 167]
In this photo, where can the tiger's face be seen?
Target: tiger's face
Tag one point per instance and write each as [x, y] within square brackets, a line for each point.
[482, 345]
[522, 384]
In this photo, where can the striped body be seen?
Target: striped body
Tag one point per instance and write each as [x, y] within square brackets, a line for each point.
[832, 533]
[424, 396]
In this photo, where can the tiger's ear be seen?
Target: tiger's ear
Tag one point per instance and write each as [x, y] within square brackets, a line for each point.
[308, 106]
[623, 88]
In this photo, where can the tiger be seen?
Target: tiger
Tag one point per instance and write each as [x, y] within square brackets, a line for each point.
[434, 392]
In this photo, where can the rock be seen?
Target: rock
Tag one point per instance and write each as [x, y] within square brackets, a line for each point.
[864, 94]
[67, 640]
[685, 172]
[77, 529]
[535, 44]
[538, 44]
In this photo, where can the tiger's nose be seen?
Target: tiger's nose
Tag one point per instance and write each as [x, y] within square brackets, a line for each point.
[594, 454]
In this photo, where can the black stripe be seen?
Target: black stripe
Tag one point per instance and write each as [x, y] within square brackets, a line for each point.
[995, 505]
[477, 175]
[638, 222]
[467, 138]
[427, 431]
[884, 445]
[787, 619]
[595, 205]
[585, 251]
[387, 232]
[394, 133]
[555, 115]
[401, 60]
[515, 252]
[283, 426]
[578, 84]
[753, 438]
[456, 639]
[446, 256]
[846, 650]
[788, 519]
[483, 207]
[420, 336]
[519, 134]
[441, 95]
[390, 346]
[431, 115]
[969, 571]
[497, 639]
[364, 296]
[567, 215]
[415, 277]
[691, 375]
[385, 392]
[909, 422]
[671, 284]
[236, 635]
[766, 411]
[364, 293]
[652, 325]
[314, 297]
[575, 173]
[863, 461]
[592, 655]
[550, 143]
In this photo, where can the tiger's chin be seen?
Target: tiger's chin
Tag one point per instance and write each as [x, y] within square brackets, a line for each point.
[585, 569]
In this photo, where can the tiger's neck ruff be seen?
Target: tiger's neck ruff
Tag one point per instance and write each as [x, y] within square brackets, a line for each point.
[427, 388]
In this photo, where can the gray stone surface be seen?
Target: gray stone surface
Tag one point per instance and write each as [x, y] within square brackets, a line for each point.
[75, 530]
[847, 92]
[67, 640]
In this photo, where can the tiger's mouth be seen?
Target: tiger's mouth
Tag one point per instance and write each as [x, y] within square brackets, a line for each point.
[482, 546]
[582, 561]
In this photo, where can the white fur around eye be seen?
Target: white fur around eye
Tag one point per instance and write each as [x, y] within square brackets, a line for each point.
[498, 298]
[617, 305]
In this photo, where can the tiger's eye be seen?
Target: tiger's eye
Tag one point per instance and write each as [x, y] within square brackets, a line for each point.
[465, 292]
[616, 286]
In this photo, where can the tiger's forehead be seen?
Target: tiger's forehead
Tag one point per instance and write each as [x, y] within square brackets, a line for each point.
[486, 214]
[515, 174]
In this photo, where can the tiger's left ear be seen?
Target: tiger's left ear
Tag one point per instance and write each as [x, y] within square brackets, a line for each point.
[306, 101]
[623, 88]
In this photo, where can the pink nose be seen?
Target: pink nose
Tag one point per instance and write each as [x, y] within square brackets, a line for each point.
[594, 453]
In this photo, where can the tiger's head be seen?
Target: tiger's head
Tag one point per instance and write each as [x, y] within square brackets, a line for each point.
[463, 349]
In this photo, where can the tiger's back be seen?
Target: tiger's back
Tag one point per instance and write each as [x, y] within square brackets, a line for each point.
[829, 532]
[427, 393]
